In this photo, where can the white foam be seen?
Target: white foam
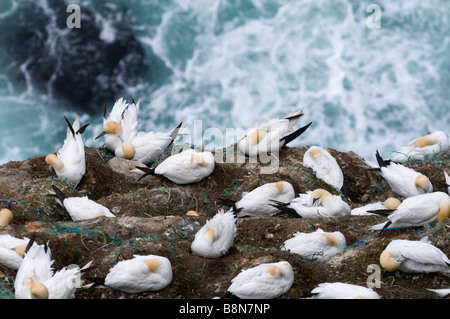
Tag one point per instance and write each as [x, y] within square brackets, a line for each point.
[363, 89]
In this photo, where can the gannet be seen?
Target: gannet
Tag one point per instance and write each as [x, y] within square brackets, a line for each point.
[403, 180]
[186, 167]
[259, 200]
[312, 204]
[414, 256]
[117, 126]
[324, 165]
[139, 274]
[216, 237]
[417, 211]
[81, 208]
[270, 137]
[420, 147]
[12, 250]
[144, 147]
[389, 204]
[265, 281]
[69, 162]
[6, 216]
[35, 278]
[317, 246]
[339, 290]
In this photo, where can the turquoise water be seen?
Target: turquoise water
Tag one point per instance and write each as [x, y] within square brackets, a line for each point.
[230, 63]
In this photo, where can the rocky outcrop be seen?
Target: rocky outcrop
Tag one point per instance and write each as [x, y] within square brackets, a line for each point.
[151, 219]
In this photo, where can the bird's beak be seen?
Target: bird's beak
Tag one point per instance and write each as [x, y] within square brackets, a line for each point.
[101, 134]
[315, 202]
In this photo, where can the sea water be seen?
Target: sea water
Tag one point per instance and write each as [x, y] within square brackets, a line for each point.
[369, 75]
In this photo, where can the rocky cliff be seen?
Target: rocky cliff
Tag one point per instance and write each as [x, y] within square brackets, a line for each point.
[151, 219]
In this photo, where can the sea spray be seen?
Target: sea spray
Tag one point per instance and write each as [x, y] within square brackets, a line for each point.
[231, 63]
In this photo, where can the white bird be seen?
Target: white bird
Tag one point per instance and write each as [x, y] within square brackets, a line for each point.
[389, 204]
[339, 290]
[258, 201]
[6, 216]
[81, 208]
[35, 278]
[216, 237]
[414, 256]
[420, 147]
[312, 204]
[265, 281]
[117, 126]
[12, 250]
[69, 162]
[417, 211]
[144, 147]
[270, 137]
[186, 167]
[324, 165]
[317, 246]
[139, 274]
[403, 180]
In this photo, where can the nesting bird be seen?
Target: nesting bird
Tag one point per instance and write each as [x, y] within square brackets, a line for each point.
[340, 290]
[81, 208]
[258, 201]
[35, 278]
[414, 256]
[270, 137]
[144, 147]
[69, 162]
[216, 237]
[403, 180]
[420, 147]
[389, 204]
[312, 204]
[122, 135]
[324, 165]
[12, 250]
[317, 246]
[139, 274]
[119, 125]
[265, 281]
[417, 211]
[186, 167]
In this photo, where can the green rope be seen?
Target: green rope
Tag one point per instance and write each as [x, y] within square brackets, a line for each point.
[363, 242]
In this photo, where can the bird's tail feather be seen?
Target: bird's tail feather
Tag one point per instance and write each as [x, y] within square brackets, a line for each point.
[287, 210]
[289, 138]
[59, 194]
[229, 203]
[30, 242]
[97, 281]
[176, 131]
[381, 162]
[83, 128]
[147, 171]
[382, 212]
